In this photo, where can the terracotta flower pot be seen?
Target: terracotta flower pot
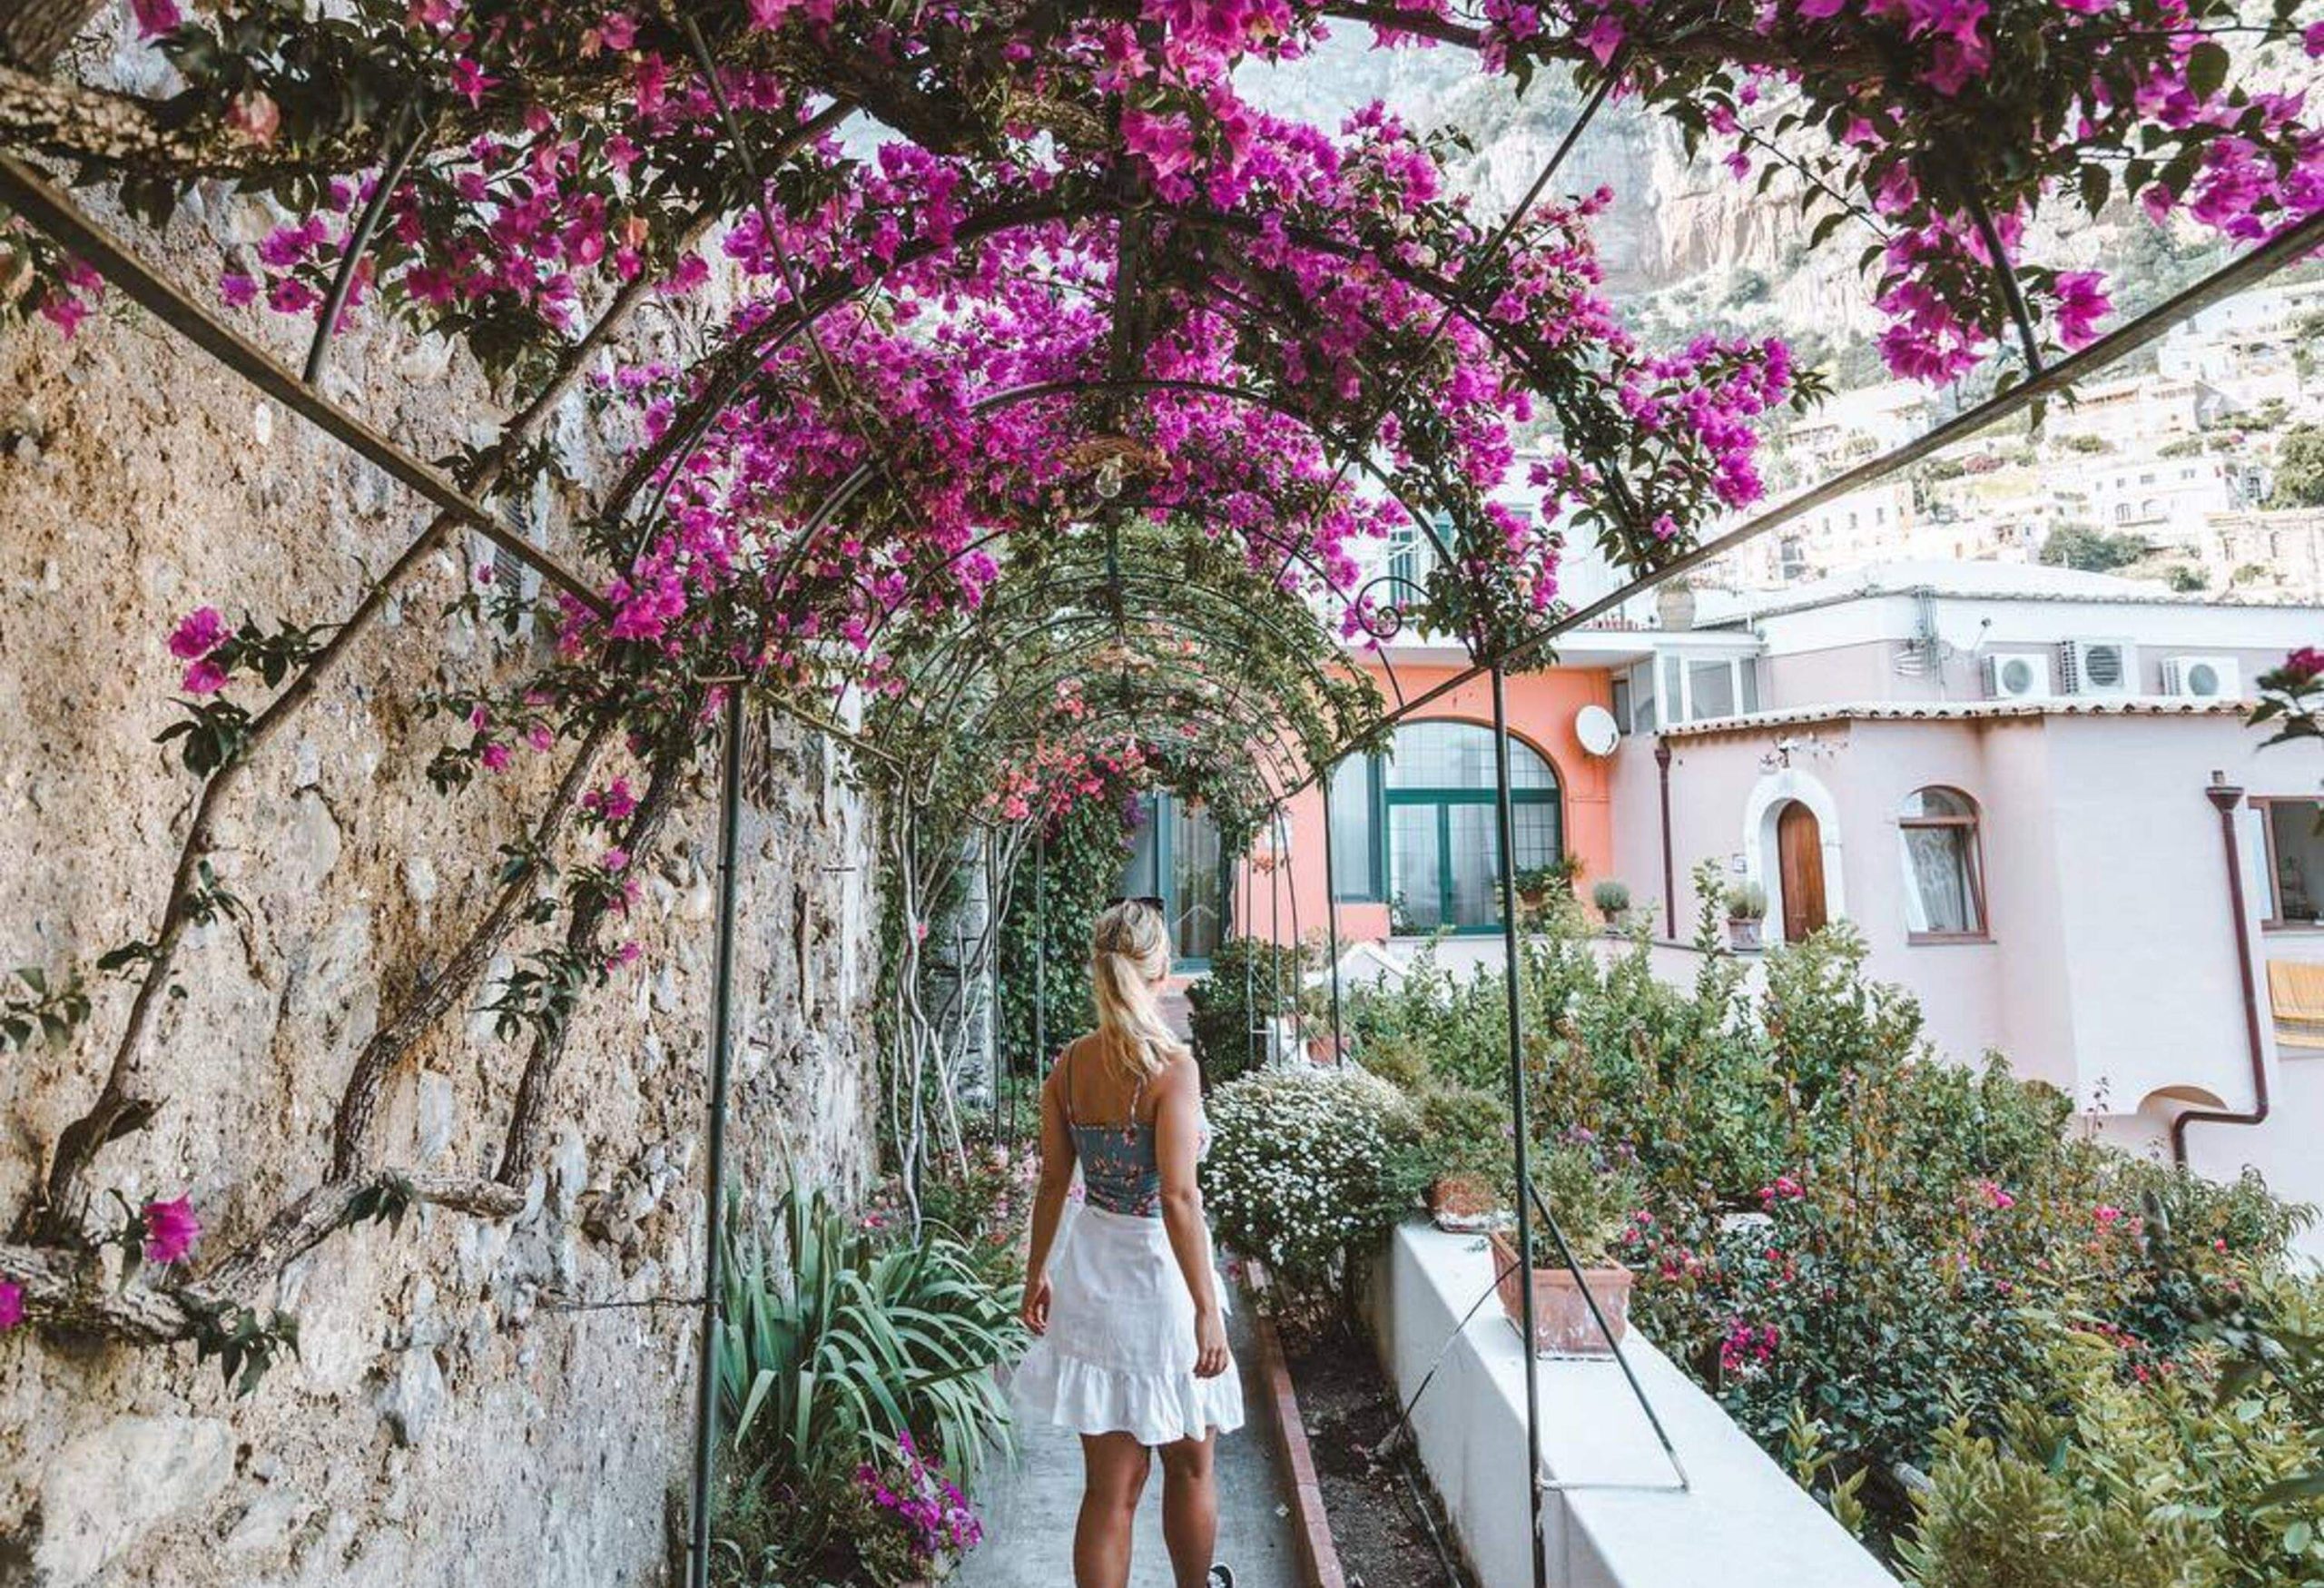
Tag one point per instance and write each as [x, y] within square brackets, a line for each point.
[1562, 1321]
[1743, 932]
[1463, 1204]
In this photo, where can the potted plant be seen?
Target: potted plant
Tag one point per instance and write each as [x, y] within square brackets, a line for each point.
[1537, 884]
[1746, 908]
[1594, 1204]
[1674, 604]
[1613, 902]
[1463, 1157]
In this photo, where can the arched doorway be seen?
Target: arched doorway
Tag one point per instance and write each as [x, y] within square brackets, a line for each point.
[1799, 863]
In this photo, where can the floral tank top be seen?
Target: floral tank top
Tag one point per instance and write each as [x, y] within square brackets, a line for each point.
[1121, 1171]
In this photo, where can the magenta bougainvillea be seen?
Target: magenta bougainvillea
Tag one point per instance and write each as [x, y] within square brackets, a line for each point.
[170, 1230]
[1072, 229]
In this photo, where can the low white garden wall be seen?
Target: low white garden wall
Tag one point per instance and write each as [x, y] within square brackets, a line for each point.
[1741, 1523]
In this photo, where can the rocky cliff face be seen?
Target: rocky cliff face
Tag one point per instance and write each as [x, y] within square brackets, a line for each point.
[476, 1402]
[1674, 221]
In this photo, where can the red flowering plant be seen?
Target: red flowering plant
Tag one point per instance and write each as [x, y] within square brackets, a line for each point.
[2291, 697]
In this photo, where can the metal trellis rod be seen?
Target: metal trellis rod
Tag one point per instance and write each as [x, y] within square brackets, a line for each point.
[1281, 820]
[992, 953]
[408, 137]
[37, 200]
[1275, 947]
[1250, 966]
[722, 1032]
[1040, 965]
[1598, 1317]
[1331, 914]
[1505, 811]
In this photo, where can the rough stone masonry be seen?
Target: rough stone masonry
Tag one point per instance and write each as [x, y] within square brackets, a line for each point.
[464, 1410]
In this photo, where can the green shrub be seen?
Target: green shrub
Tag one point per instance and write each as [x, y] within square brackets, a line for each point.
[841, 1349]
[1461, 1133]
[1300, 1173]
[1844, 1233]
[2176, 1480]
[1250, 982]
[1047, 949]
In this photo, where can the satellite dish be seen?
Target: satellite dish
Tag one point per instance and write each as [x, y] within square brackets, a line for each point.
[1595, 726]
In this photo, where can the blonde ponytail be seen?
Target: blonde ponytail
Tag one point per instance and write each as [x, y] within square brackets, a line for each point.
[1129, 952]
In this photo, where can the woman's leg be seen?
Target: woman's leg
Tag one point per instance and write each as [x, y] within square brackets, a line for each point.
[1114, 1468]
[1191, 1508]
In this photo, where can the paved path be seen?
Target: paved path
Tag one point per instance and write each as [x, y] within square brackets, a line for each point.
[1028, 1510]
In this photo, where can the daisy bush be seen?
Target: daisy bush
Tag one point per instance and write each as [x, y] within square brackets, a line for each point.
[1300, 1170]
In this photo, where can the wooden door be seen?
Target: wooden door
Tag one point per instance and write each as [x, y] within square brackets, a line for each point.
[1800, 842]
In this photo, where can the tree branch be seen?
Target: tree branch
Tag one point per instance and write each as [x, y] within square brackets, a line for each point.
[66, 1289]
[529, 1114]
[436, 995]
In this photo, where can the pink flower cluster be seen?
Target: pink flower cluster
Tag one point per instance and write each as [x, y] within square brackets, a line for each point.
[195, 641]
[170, 1230]
[1784, 1188]
[1747, 1347]
[936, 1515]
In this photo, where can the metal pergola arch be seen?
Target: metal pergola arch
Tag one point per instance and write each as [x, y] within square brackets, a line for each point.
[963, 655]
[33, 197]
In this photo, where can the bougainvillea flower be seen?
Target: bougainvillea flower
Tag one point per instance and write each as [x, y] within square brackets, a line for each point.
[170, 1230]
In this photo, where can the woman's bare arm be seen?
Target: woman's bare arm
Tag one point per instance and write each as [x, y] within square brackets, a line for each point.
[1178, 1144]
[1048, 1205]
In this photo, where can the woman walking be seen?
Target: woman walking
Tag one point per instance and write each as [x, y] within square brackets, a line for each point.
[1127, 1309]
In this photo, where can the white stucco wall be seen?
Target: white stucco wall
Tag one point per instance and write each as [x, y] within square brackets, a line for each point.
[1616, 1517]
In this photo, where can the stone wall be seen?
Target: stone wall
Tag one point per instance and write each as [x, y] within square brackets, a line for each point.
[464, 1412]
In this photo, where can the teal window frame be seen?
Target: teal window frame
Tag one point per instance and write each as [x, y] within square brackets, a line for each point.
[1376, 841]
[1444, 800]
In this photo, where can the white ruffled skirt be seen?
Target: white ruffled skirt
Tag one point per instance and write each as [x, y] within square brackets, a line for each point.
[1119, 1354]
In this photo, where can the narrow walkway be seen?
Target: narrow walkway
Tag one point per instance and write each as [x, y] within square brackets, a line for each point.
[1028, 1510]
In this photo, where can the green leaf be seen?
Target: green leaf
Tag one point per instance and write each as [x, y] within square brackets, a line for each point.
[2207, 66]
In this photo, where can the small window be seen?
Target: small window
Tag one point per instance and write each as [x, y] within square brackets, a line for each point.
[2295, 833]
[1710, 687]
[1621, 687]
[1945, 887]
[1643, 717]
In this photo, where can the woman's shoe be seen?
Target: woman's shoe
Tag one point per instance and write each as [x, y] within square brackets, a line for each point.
[1220, 1577]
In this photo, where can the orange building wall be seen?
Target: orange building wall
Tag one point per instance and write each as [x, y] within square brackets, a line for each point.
[1542, 707]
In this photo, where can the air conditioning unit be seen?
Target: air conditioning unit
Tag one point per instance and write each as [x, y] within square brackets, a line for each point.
[2098, 666]
[2020, 677]
[2203, 678]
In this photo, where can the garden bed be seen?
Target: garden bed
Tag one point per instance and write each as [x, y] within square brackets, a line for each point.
[1373, 1497]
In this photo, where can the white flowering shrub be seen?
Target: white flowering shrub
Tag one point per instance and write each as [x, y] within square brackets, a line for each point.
[1299, 1170]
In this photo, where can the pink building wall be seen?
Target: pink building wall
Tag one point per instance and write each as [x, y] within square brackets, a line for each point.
[1541, 708]
[2111, 969]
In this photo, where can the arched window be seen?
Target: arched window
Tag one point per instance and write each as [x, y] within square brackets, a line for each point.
[1945, 883]
[1441, 854]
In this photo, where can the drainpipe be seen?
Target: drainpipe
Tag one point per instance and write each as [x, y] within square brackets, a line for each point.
[2225, 797]
[1669, 877]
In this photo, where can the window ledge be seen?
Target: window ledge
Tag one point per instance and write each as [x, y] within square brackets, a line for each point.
[1941, 938]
